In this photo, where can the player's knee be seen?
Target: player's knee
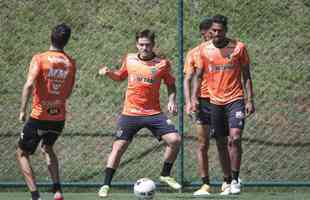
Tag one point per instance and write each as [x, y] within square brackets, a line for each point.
[235, 140]
[175, 140]
[119, 147]
[203, 146]
[20, 153]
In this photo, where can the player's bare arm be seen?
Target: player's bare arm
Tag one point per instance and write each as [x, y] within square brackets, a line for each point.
[196, 84]
[187, 91]
[114, 75]
[27, 89]
[172, 103]
[247, 82]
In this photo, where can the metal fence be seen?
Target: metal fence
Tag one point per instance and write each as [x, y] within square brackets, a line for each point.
[275, 140]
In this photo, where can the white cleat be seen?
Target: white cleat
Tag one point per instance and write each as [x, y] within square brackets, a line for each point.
[226, 189]
[235, 187]
[204, 190]
[104, 191]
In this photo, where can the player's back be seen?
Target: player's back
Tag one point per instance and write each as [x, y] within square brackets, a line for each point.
[53, 85]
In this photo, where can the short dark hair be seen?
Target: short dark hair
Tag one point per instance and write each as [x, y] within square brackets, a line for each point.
[146, 34]
[60, 35]
[220, 19]
[205, 24]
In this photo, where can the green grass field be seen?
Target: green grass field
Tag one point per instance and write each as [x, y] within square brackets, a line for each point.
[293, 195]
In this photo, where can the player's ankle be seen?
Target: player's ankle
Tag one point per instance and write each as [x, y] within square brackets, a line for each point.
[57, 187]
[205, 180]
[166, 168]
[35, 195]
[235, 175]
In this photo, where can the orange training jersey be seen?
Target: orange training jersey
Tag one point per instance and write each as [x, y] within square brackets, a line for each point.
[190, 66]
[53, 85]
[223, 68]
[144, 79]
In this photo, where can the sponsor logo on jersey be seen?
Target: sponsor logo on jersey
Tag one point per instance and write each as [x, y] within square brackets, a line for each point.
[219, 68]
[59, 60]
[57, 73]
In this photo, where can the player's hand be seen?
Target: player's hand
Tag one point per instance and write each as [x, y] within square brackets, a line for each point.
[188, 108]
[249, 108]
[22, 116]
[172, 107]
[104, 70]
[195, 104]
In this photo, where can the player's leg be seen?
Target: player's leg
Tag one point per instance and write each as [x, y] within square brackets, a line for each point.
[27, 145]
[172, 141]
[202, 128]
[162, 128]
[50, 132]
[128, 126]
[202, 152]
[53, 169]
[202, 159]
[218, 129]
[236, 114]
[222, 147]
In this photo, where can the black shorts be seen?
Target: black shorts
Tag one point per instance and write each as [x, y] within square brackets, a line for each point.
[203, 116]
[128, 126]
[231, 115]
[36, 130]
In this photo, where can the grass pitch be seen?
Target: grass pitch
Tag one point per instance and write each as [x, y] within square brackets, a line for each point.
[293, 195]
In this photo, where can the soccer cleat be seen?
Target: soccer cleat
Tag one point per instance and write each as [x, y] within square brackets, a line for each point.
[226, 189]
[170, 181]
[58, 196]
[235, 187]
[204, 190]
[104, 191]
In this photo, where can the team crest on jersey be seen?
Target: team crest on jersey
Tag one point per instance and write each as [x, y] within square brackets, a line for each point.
[153, 71]
[229, 56]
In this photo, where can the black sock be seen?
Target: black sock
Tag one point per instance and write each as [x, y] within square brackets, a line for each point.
[235, 175]
[56, 187]
[35, 195]
[109, 172]
[205, 180]
[166, 169]
[227, 179]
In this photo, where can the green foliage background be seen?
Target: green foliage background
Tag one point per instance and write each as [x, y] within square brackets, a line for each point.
[277, 34]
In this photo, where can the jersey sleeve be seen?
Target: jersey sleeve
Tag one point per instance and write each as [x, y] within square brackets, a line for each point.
[169, 79]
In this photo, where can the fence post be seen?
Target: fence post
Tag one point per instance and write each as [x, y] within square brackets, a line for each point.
[180, 160]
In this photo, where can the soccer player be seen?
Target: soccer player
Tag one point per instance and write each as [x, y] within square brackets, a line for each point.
[227, 64]
[202, 118]
[50, 79]
[144, 71]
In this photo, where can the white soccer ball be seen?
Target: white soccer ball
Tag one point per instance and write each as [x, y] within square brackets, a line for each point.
[144, 188]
